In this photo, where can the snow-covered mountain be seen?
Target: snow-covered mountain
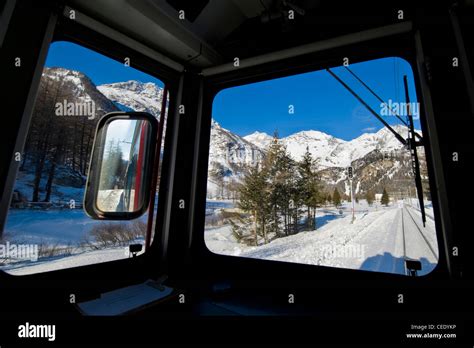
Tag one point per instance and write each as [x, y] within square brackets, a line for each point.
[230, 151]
[229, 155]
[260, 139]
[75, 87]
[134, 96]
[326, 148]
[379, 159]
[332, 151]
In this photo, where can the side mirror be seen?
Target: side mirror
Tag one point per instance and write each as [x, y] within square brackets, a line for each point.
[120, 172]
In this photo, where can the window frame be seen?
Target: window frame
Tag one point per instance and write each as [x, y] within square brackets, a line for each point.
[358, 52]
[61, 28]
[6, 11]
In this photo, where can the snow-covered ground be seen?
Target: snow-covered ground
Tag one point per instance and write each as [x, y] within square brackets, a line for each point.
[62, 227]
[56, 263]
[379, 240]
[50, 226]
[109, 200]
[65, 228]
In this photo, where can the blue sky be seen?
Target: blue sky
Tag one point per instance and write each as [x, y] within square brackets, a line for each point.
[99, 68]
[320, 102]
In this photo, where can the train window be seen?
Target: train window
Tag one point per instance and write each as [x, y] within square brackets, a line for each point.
[320, 168]
[47, 227]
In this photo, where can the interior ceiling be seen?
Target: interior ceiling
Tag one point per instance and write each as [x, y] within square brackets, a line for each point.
[216, 31]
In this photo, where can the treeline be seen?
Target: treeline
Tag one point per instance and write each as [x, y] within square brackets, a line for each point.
[55, 141]
[225, 189]
[281, 194]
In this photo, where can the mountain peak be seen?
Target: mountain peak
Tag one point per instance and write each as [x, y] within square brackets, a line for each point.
[332, 151]
[214, 123]
[58, 71]
[313, 134]
[260, 134]
[134, 85]
[260, 139]
[134, 95]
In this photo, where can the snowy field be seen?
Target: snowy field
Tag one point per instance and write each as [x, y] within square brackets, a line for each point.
[64, 228]
[76, 260]
[379, 240]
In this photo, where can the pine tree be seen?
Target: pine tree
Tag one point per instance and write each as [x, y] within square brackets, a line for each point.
[309, 186]
[254, 198]
[280, 169]
[323, 198]
[370, 197]
[336, 198]
[385, 197]
[296, 202]
[217, 175]
[329, 198]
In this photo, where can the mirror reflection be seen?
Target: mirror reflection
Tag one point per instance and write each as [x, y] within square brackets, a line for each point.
[123, 166]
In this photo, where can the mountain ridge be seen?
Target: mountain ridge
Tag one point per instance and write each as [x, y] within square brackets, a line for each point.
[379, 159]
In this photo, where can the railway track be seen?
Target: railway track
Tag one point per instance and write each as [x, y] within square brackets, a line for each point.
[407, 218]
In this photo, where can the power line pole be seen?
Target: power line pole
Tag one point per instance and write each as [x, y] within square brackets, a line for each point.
[349, 172]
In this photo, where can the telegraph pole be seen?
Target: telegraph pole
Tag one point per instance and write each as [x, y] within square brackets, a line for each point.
[349, 172]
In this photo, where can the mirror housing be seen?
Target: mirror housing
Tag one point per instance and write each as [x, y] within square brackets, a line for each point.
[121, 167]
